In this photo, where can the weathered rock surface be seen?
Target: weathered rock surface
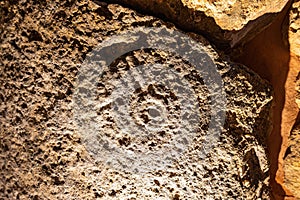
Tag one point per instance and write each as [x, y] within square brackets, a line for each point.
[292, 147]
[43, 155]
[272, 54]
[294, 28]
[292, 164]
[298, 90]
[224, 22]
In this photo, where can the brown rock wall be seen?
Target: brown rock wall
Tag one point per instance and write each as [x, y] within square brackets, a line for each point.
[45, 156]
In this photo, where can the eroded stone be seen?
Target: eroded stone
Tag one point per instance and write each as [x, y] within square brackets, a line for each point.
[292, 164]
[224, 22]
[291, 148]
[43, 155]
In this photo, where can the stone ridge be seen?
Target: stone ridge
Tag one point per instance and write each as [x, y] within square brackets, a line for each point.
[234, 15]
[225, 23]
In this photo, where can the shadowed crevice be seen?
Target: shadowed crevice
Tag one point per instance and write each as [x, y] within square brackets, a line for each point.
[268, 55]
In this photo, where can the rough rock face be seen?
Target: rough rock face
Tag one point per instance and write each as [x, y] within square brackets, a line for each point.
[294, 28]
[298, 90]
[292, 147]
[43, 152]
[277, 61]
[224, 22]
[291, 163]
[234, 15]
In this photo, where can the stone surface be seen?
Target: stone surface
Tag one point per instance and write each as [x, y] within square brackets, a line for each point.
[292, 163]
[277, 61]
[224, 22]
[43, 155]
[268, 55]
[234, 15]
[294, 28]
[298, 90]
[292, 149]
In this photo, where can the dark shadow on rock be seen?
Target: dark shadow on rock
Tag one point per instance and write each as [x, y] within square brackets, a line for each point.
[269, 56]
[198, 22]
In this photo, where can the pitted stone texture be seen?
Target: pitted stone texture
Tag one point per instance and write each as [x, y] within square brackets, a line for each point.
[224, 22]
[294, 29]
[42, 155]
[292, 155]
[235, 14]
[292, 164]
